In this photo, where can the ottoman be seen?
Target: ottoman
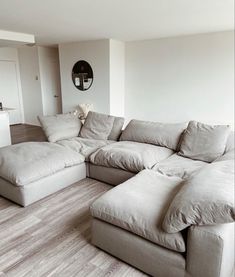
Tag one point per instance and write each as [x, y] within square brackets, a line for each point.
[32, 170]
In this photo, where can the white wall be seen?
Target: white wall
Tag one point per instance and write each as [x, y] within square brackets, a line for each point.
[117, 78]
[50, 79]
[11, 54]
[31, 87]
[96, 53]
[182, 78]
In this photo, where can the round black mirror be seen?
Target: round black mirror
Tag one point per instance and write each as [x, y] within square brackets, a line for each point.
[82, 75]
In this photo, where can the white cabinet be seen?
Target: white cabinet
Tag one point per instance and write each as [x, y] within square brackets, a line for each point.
[5, 135]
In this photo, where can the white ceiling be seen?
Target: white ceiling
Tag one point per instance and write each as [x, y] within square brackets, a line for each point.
[59, 21]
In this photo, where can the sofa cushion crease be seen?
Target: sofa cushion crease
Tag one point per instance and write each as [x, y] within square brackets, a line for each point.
[84, 146]
[130, 156]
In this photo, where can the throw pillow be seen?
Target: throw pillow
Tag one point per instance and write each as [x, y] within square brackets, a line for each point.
[60, 126]
[204, 142]
[97, 126]
[207, 198]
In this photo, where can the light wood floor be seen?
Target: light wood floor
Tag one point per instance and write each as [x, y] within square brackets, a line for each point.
[52, 237]
[25, 132]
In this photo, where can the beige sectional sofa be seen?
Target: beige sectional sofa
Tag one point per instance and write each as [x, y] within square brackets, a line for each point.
[171, 211]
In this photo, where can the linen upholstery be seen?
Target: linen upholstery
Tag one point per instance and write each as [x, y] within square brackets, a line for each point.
[162, 134]
[27, 162]
[210, 251]
[130, 156]
[147, 256]
[178, 166]
[227, 156]
[116, 129]
[230, 142]
[84, 146]
[30, 193]
[139, 205]
[109, 175]
[97, 126]
[60, 126]
[207, 198]
[102, 126]
[204, 142]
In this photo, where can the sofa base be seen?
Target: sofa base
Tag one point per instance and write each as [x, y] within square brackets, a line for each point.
[25, 195]
[136, 251]
[109, 175]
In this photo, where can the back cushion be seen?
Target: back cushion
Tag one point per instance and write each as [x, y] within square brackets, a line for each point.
[204, 142]
[60, 126]
[117, 128]
[230, 142]
[161, 134]
[102, 126]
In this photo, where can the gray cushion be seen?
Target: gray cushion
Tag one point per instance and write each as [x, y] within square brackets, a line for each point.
[226, 157]
[117, 128]
[179, 166]
[25, 163]
[162, 134]
[84, 146]
[230, 142]
[60, 126]
[204, 142]
[207, 198]
[130, 156]
[139, 205]
[97, 126]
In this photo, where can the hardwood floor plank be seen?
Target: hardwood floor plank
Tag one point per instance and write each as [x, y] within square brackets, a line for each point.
[52, 237]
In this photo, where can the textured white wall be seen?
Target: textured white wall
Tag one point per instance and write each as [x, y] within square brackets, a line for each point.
[182, 78]
[96, 53]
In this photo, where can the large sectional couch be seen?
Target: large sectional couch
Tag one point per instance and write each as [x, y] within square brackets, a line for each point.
[171, 212]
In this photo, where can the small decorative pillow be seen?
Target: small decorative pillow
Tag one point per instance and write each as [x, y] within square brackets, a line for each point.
[97, 126]
[162, 134]
[207, 198]
[60, 126]
[204, 142]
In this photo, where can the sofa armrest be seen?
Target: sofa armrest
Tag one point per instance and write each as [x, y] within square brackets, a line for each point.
[210, 251]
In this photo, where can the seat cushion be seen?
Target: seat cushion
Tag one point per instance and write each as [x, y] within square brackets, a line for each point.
[161, 134]
[139, 204]
[130, 156]
[84, 146]
[204, 142]
[60, 126]
[207, 198]
[27, 162]
[179, 166]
